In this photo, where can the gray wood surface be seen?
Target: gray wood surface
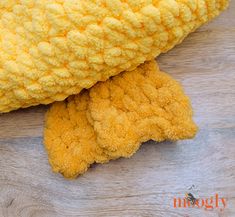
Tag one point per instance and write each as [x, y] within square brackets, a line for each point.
[146, 184]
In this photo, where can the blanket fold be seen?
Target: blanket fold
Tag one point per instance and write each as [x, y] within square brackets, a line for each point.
[113, 118]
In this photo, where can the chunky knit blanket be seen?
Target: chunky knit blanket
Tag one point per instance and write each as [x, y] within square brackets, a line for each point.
[51, 49]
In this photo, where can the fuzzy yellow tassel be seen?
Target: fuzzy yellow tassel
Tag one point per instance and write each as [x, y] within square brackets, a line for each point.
[113, 118]
[50, 49]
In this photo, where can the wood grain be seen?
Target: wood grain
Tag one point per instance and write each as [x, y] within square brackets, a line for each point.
[146, 184]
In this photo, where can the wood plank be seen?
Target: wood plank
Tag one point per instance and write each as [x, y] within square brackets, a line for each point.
[146, 184]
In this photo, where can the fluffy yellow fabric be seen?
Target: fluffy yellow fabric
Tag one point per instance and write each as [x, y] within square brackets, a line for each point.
[50, 49]
[113, 118]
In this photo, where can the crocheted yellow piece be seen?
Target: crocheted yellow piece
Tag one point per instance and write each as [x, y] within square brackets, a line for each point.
[50, 49]
[113, 118]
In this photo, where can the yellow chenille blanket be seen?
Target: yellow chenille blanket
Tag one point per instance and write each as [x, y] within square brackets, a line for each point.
[50, 49]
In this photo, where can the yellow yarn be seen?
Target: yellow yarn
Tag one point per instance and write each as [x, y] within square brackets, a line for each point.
[50, 49]
[113, 118]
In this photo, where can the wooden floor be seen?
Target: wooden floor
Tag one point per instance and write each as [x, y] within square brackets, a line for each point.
[146, 184]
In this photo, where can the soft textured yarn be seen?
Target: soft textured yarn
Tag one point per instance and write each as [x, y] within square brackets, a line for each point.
[113, 118]
[50, 49]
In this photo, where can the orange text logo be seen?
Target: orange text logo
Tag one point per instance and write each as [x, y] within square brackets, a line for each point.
[214, 202]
